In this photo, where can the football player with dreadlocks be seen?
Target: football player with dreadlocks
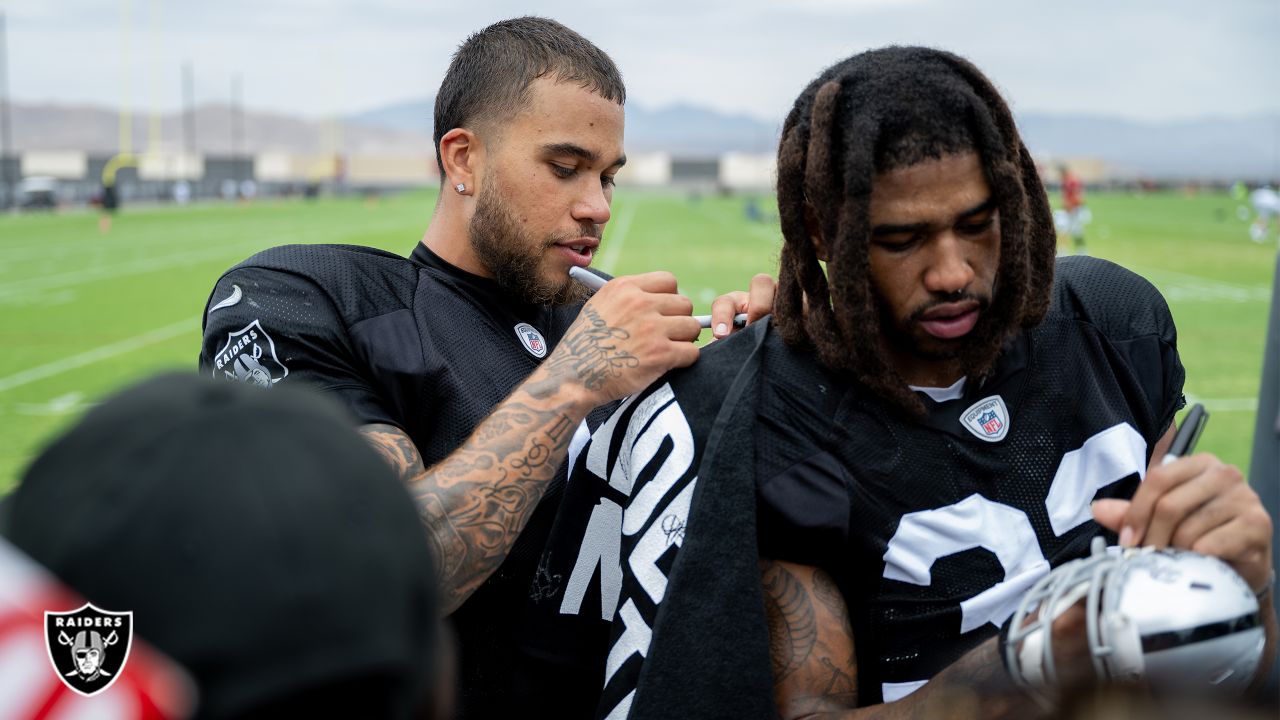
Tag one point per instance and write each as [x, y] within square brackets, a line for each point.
[937, 415]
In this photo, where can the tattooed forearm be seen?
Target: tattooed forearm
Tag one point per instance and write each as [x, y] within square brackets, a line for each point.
[477, 500]
[825, 589]
[806, 609]
[838, 681]
[815, 670]
[589, 352]
[789, 610]
[500, 423]
[395, 447]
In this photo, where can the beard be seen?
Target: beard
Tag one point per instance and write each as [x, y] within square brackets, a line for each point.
[515, 258]
[974, 353]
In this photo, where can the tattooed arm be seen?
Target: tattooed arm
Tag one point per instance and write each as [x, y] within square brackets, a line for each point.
[476, 501]
[815, 670]
[810, 641]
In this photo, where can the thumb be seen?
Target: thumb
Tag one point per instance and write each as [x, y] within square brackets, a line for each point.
[1110, 513]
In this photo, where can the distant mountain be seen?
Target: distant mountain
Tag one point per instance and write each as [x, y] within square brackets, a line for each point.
[97, 130]
[695, 131]
[1209, 148]
[686, 130]
[1222, 148]
[414, 116]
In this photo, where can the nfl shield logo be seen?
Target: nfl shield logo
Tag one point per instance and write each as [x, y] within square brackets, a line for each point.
[987, 419]
[88, 647]
[534, 340]
[531, 339]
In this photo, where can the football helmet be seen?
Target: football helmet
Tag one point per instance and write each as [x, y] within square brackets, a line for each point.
[1172, 619]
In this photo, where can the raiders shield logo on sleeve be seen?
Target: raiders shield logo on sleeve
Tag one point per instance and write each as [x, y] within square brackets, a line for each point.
[250, 355]
[88, 647]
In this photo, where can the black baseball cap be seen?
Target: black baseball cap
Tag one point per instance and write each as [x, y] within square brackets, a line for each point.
[257, 538]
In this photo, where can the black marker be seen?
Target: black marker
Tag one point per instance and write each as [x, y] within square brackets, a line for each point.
[1184, 441]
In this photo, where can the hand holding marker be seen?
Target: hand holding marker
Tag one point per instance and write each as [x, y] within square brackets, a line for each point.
[595, 282]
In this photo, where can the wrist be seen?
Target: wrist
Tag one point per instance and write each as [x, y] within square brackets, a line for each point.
[1263, 594]
[558, 391]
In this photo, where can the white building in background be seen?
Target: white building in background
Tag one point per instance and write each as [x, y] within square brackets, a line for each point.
[646, 170]
[746, 172]
[395, 170]
[738, 172]
[153, 176]
[170, 166]
[269, 167]
[60, 164]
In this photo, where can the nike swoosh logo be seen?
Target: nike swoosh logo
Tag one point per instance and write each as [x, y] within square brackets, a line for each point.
[235, 298]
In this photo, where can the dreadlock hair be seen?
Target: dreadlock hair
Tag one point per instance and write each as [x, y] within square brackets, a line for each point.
[873, 113]
[488, 79]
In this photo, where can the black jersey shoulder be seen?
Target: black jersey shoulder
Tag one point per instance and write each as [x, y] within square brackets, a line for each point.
[1120, 303]
[361, 282]
[702, 386]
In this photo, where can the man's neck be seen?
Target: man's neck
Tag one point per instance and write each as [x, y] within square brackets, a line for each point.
[446, 236]
[927, 373]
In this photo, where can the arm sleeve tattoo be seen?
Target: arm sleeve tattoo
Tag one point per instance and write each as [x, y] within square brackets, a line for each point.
[815, 667]
[475, 502]
[810, 640]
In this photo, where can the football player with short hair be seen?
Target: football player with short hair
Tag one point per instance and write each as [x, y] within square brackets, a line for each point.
[473, 363]
[937, 415]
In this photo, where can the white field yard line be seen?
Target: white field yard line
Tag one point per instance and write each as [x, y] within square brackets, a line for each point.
[132, 267]
[92, 240]
[617, 236]
[1183, 287]
[90, 234]
[120, 347]
[99, 245]
[196, 237]
[21, 254]
[1245, 404]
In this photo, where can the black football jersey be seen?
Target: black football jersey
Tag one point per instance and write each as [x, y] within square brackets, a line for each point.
[421, 345]
[932, 527]
[935, 528]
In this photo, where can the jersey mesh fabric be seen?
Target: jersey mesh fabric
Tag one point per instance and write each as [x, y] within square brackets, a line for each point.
[1105, 356]
[421, 345]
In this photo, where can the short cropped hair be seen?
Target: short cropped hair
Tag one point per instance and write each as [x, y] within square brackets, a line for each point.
[489, 77]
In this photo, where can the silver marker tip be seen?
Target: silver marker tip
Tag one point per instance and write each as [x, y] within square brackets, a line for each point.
[586, 277]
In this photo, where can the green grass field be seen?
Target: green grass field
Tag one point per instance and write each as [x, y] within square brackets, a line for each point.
[82, 314]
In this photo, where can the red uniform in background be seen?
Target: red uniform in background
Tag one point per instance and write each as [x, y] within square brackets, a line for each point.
[1073, 203]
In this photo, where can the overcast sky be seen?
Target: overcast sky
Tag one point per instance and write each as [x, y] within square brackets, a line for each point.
[1155, 60]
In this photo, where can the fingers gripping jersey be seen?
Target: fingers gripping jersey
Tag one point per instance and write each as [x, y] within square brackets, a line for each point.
[932, 528]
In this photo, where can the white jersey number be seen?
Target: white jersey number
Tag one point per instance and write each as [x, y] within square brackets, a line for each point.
[925, 536]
